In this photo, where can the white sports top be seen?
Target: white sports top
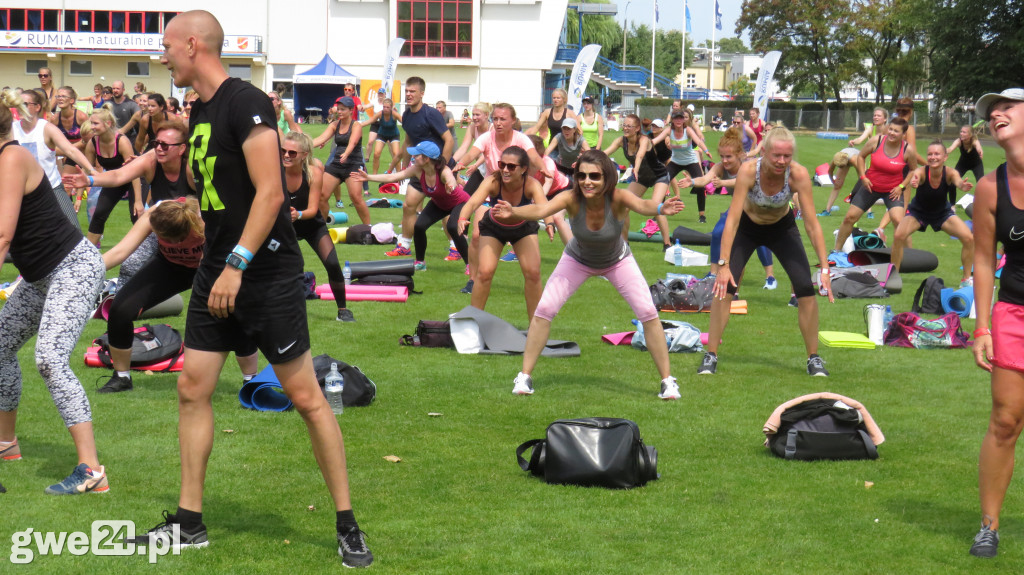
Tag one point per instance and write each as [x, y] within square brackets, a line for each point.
[35, 142]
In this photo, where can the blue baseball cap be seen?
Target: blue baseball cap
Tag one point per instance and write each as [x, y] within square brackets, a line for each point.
[346, 101]
[427, 148]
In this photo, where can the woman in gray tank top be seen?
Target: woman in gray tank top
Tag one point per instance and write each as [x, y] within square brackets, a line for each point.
[597, 212]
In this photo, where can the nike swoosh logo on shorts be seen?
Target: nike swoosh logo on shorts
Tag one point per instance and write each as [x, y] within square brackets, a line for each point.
[1015, 236]
[287, 347]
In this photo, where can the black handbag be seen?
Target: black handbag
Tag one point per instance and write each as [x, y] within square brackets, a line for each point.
[430, 333]
[359, 390]
[591, 452]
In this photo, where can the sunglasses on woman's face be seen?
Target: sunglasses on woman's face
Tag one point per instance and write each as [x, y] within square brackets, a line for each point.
[289, 153]
[164, 146]
[510, 166]
[592, 176]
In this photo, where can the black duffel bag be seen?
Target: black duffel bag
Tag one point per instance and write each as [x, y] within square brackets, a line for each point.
[591, 452]
[359, 390]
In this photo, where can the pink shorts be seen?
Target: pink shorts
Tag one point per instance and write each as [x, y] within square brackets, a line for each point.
[1008, 336]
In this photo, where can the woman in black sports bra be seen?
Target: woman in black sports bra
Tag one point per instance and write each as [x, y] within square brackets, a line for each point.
[110, 151]
[550, 121]
[648, 171]
[156, 114]
[999, 333]
[933, 206]
[348, 135]
[513, 184]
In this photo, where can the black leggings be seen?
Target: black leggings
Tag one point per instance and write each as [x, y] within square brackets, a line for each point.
[783, 239]
[316, 235]
[475, 179]
[695, 172]
[156, 281]
[978, 169]
[432, 214]
[105, 205]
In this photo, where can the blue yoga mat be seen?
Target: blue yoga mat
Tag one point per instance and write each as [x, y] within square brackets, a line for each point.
[336, 218]
[957, 301]
[264, 393]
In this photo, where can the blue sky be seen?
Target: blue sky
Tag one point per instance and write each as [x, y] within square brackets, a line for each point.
[671, 15]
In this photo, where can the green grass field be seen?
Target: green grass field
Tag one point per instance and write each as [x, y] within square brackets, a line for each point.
[458, 503]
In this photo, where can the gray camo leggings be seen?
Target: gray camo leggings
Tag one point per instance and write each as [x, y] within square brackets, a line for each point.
[56, 307]
[139, 258]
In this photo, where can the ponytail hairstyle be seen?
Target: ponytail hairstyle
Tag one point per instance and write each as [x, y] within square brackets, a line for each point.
[175, 220]
[305, 144]
[8, 101]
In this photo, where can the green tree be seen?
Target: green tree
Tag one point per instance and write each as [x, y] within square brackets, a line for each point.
[817, 39]
[741, 87]
[975, 47]
[893, 40]
[728, 46]
[597, 29]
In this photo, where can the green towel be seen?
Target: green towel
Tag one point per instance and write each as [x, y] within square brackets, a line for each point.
[845, 339]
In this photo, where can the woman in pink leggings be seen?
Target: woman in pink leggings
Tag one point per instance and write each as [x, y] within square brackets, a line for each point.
[596, 212]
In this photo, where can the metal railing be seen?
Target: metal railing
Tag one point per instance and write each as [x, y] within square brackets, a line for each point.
[615, 72]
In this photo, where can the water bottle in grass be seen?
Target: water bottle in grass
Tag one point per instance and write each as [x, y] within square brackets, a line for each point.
[334, 388]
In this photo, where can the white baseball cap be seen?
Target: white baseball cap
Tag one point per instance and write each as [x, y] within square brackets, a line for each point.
[658, 122]
[986, 101]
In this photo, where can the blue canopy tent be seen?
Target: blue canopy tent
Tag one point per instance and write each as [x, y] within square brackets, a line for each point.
[316, 89]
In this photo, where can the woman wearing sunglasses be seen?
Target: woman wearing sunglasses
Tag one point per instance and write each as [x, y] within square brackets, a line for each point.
[303, 173]
[597, 215]
[512, 183]
[109, 150]
[647, 168]
[164, 167]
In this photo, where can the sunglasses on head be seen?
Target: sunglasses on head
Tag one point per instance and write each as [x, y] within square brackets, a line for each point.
[592, 176]
[164, 146]
[289, 153]
[507, 165]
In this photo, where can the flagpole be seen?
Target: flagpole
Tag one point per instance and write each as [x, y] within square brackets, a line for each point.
[682, 63]
[654, 35]
[711, 57]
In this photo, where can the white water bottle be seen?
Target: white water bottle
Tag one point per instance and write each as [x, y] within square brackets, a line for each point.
[678, 255]
[334, 388]
[347, 273]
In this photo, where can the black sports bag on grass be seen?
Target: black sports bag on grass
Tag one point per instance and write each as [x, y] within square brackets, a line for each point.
[591, 452]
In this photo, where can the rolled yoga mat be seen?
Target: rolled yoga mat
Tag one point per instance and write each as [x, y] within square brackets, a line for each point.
[338, 235]
[868, 242]
[264, 393]
[957, 301]
[914, 261]
[337, 218]
[689, 237]
[399, 296]
[169, 307]
[642, 237]
[401, 267]
[363, 289]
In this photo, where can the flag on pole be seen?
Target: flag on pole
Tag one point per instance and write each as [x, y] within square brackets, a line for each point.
[689, 29]
[718, 15]
[657, 14]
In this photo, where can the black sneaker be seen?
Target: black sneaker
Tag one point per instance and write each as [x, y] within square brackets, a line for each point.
[702, 220]
[468, 288]
[816, 366]
[709, 365]
[793, 302]
[986, 543]
[194, 538]
[115, 384]
[345, 314]
[353, 550]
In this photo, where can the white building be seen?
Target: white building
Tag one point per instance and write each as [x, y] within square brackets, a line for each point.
[466, 50]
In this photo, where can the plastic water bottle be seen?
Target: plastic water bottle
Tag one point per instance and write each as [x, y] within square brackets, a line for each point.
[887, 318]
[347, 272]
[334, 387]
[678, 256]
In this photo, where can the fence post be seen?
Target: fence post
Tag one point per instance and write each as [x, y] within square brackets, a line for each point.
[828, 120]
[856, 124]
[799, 118]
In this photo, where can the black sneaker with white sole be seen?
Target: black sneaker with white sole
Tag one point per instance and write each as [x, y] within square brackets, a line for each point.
[709, 365]
[986, 543]
[192, 538]
[816, 366]
[115, 384]
[345, 315]
[353, 550]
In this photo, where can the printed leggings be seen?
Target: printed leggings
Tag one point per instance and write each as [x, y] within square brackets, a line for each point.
[56, 308]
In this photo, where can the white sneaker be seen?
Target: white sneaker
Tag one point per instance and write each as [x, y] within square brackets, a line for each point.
[669, 389]
[523, 384]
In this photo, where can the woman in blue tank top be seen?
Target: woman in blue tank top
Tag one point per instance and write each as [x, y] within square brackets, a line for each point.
[597, 213]
[998, 210]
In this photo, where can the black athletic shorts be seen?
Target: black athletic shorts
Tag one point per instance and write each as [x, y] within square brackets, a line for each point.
[310, 230]
[343, 171]
[934, 219]
[864, 199]
[507, 234]
[269, 316]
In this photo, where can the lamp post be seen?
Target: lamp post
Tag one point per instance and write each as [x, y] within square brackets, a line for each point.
[625, 28]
